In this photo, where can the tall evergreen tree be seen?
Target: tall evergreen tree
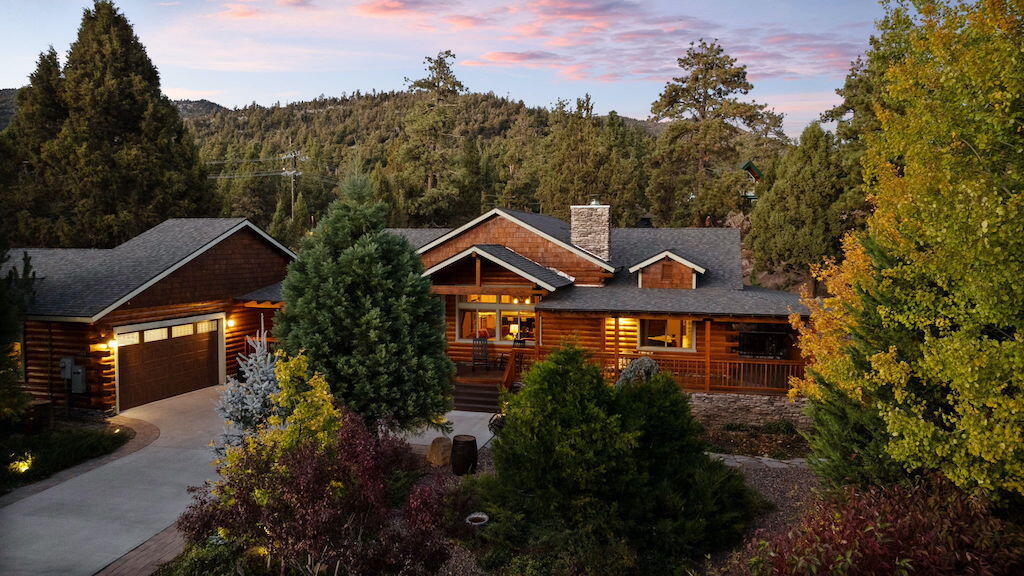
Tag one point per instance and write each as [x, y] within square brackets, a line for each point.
[121, 160]
[695, 171]
[574, 157]
[357, 305]
[797, 224]
[28, 202]
[427, 178]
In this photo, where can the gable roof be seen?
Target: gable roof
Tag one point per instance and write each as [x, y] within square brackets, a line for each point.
[553, 229]
[83, 285]
[672, 254]
[547, 278]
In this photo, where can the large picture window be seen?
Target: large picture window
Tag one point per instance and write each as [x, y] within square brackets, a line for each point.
[666, 334]
[499, 318]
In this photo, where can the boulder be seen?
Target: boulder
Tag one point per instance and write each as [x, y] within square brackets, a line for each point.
[440, 452]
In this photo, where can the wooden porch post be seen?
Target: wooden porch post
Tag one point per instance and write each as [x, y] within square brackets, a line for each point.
[617, 365]
[707, 355]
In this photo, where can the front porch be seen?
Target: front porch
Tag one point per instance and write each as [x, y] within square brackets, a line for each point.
[477, 390]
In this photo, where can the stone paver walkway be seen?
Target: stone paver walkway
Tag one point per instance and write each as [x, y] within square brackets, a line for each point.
[148, 556]
[463, 422]
[738, 461]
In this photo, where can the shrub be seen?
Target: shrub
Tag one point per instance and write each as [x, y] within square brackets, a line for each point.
[929, 527]
[598, 479]
[246, 403]
[318, 491]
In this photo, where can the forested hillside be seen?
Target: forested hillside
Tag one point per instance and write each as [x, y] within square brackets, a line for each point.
[436, 153]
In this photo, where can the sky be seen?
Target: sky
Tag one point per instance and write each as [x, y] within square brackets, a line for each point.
[622, 52]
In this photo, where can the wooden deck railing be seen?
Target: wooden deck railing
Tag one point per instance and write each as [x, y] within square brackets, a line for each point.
[695, 373]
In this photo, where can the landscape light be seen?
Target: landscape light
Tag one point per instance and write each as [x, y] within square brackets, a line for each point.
[21, 466]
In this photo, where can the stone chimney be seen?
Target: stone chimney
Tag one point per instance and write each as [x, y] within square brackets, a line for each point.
[591, 228]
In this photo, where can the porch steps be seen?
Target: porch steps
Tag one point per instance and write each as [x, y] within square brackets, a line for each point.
[476, 397]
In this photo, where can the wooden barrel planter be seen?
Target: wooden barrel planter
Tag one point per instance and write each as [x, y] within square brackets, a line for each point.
[464, 454]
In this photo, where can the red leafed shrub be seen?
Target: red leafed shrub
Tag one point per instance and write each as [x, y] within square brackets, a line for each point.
[357, 504]
[929, 528]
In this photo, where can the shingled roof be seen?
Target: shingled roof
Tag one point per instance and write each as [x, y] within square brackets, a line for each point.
[719, 292]
[85, 284]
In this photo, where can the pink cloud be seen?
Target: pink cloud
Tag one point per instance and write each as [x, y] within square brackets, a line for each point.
[386, 8]
[466, 22]
[530, 58]
[239, 11]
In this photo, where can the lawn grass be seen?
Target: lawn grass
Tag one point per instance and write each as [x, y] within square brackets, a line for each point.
[27, 458]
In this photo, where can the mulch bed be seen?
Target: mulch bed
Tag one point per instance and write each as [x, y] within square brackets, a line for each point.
[775, 440]
[67, 444]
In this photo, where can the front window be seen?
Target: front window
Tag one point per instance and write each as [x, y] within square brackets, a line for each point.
[666, 334]
[772, 345]
[499, 318]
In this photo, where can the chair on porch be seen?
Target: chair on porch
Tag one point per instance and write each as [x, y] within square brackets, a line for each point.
[481, 355]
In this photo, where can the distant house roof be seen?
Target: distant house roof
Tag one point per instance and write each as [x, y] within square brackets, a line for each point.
[85, 284]
[547, 278]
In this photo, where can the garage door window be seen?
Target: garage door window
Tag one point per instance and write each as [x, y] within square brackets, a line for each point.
[154, 335]
[206, 326]
[182, 330]
[128, 338]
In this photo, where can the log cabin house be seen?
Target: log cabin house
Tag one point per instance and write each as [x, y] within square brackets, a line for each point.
[164, 313]
[523, 283]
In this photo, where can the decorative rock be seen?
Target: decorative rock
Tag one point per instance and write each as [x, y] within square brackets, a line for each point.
[755, 409]
[440, 452]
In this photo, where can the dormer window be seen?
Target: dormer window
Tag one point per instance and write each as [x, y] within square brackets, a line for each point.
[667, 269]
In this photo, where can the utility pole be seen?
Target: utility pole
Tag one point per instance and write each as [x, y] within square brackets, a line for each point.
[295, 156]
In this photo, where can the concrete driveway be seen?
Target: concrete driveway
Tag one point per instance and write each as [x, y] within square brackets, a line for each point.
[86, 522]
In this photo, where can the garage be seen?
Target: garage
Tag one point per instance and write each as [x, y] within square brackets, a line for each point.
[165, 313]
[159, 361]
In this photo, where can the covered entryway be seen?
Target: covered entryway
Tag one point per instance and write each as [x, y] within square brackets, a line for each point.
[164, 359]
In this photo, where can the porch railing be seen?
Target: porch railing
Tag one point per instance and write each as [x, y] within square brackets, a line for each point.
[695, 373]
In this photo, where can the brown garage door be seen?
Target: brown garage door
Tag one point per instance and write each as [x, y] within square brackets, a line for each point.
[164, 362]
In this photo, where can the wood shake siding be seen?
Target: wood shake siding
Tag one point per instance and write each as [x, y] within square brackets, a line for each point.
[464, 273]
[208, 284]
[667, 273]
[499, 230]
[237, 265]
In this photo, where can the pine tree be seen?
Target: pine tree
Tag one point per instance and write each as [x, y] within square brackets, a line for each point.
[121, 160]
[28, 202]
[797, 224]
[357, 305]
[573, 156]
[427, 179]
[695, 170]
[247, 403]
